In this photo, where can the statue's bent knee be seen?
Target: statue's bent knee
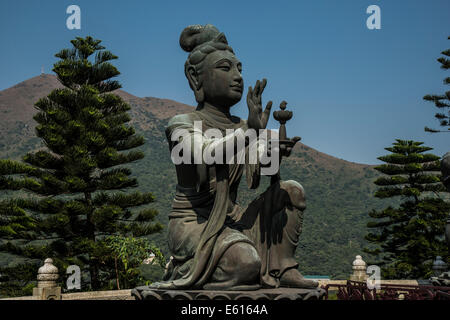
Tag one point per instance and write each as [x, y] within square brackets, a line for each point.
[245, 259]
[250, 263]
[296, 193]
[240, 263]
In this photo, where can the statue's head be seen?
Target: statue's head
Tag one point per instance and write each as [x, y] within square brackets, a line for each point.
[212, 69]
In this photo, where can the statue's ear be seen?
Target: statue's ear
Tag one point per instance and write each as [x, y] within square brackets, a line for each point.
[195, 83]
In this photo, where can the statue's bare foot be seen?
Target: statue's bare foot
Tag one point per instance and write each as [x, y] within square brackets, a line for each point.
[162, 285]
[292, 278]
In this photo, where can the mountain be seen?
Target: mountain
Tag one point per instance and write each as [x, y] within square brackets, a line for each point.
[17, 110]
[339, 193]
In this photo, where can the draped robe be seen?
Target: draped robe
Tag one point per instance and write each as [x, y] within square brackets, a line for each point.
[206, 220]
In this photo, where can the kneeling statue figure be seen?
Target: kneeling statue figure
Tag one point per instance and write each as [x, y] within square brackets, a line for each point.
[215, 243]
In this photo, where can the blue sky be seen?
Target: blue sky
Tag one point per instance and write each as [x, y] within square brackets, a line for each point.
[353, 90]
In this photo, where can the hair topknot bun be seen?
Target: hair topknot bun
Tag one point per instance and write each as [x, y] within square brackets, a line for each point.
[195, 35]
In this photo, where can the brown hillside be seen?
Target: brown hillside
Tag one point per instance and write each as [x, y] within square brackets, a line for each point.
[17, 110]
[17, 124]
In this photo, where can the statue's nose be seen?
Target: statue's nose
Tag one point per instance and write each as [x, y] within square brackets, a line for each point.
[237, 78]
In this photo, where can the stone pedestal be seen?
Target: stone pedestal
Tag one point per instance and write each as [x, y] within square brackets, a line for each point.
[147, 293]
[439, 266]
[359, 270]
[47, 293]
[46, 287]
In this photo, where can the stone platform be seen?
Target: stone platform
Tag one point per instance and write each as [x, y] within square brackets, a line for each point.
[147, 293]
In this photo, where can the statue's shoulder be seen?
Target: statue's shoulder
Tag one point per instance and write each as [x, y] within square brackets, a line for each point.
[184, 118]
[187, 119]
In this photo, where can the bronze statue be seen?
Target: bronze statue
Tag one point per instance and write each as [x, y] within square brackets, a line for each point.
[216, 244]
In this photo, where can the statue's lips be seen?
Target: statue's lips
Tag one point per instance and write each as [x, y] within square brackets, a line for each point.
[237, 88]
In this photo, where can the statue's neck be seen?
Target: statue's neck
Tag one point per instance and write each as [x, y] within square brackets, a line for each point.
[216, 111]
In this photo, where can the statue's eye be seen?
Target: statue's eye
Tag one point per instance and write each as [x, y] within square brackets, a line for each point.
[224, 67]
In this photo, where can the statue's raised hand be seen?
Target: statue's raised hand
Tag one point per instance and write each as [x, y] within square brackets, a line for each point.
[257, 119]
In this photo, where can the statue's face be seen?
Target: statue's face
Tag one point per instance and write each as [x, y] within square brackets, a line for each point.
[222, 81]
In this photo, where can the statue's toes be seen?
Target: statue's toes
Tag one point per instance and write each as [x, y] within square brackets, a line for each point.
[162, 285]
[155, 285]
[293, 279]
[299, 283]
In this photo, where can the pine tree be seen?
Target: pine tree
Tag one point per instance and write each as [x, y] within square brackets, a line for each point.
[14, 220]
[406, 239]
[442, 102]
[18, 226]
[82, 173]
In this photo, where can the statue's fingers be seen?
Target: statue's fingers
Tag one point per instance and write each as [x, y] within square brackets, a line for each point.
[266, 114]
[263, 85]
[249, 94]
[258, 102]
[268, 108]
[257, 88]
[258, 94]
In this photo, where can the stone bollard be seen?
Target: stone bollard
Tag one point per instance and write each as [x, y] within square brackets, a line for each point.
[439, 266]
[359, 270]
[46, 286]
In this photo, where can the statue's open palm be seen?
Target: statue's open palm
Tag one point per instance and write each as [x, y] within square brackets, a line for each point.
[257, 119]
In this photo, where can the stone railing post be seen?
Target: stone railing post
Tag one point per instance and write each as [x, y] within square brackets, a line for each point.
[359, 270]
[46, 286]
[439, 266]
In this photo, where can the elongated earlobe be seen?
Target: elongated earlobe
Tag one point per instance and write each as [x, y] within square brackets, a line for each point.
[195, 84]
[199, 95]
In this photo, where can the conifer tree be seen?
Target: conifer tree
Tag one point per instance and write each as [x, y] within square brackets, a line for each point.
[82, 173]
[442, 101]
[406, 239]
[14, 220]
[18, 226]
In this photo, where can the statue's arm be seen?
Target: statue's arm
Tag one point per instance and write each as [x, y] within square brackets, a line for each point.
[187, 138]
